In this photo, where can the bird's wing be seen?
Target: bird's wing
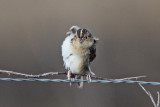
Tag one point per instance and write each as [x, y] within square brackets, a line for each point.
[92, 55]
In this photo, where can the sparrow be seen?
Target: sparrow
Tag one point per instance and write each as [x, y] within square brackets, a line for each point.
[78, 51]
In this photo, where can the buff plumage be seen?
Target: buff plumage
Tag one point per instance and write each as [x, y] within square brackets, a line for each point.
[78, 50]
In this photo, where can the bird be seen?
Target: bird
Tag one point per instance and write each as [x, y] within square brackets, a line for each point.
[78, 51]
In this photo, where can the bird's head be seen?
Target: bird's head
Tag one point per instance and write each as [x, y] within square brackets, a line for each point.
[82, 35]
[83, 38]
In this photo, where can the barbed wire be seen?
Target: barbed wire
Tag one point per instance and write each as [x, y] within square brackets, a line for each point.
[95, 79]
[78, 80]
[12, 73]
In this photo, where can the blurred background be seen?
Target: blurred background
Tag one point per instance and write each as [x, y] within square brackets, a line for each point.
[31, 34]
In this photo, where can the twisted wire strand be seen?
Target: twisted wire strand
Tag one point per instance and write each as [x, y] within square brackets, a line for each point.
[77, 80]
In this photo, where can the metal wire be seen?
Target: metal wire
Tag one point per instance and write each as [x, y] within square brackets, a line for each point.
[77, 80]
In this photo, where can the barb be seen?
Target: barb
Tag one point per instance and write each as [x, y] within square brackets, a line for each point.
[150, 96]
[31, 75]
[129, 78]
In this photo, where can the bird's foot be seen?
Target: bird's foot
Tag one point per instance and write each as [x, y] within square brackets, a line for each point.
[69, 75]
[88, 77]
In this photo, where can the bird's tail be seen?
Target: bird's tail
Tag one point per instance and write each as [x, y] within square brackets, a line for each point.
[80, 84]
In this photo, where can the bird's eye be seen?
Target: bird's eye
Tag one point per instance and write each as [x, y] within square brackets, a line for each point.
[86, 37]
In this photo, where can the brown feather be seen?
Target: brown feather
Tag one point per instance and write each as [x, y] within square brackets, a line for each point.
[92, 53]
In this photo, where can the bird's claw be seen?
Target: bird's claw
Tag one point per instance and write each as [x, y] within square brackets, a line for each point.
[88, 77]
[69, 75]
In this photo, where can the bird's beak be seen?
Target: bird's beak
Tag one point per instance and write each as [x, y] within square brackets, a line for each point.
[80, 40]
